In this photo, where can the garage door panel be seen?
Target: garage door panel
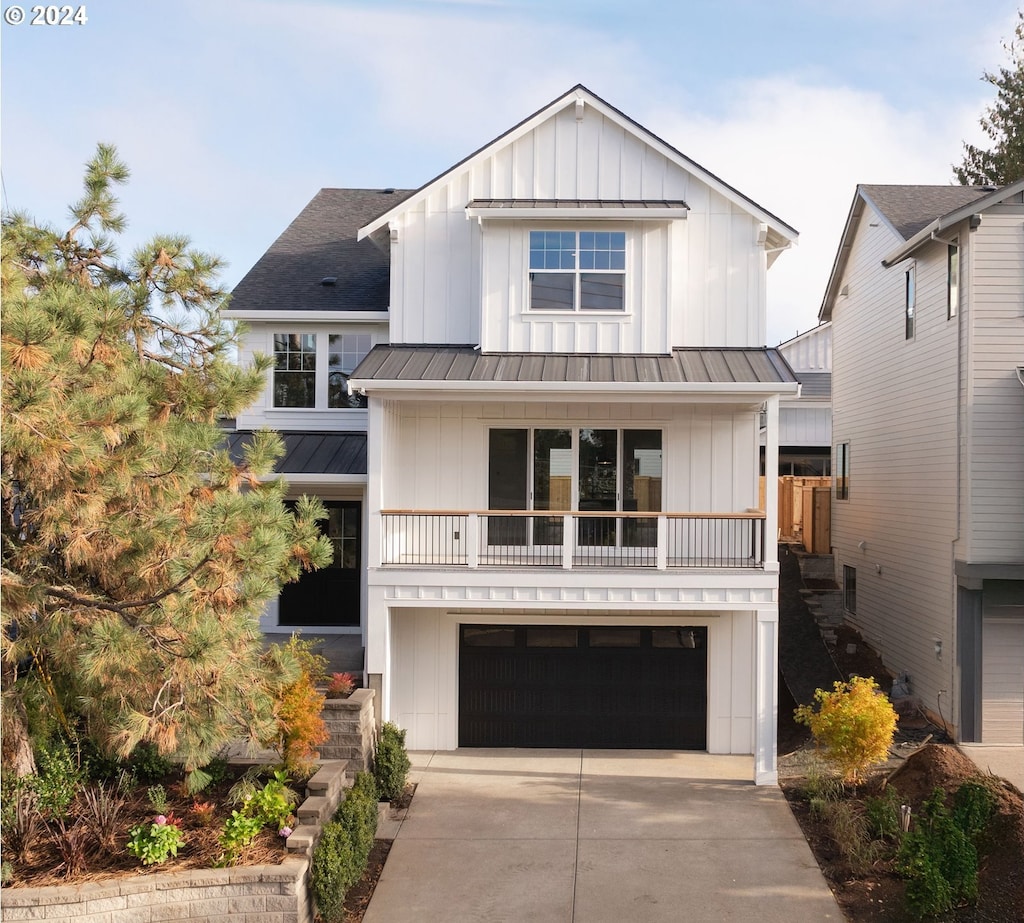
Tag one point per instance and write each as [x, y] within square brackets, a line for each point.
[640, 688]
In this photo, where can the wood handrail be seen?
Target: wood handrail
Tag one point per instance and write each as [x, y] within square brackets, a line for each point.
[588, 514]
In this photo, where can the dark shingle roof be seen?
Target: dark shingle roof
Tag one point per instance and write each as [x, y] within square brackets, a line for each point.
[313, 453]
[910, 208]
[321, 243]
[682, 366]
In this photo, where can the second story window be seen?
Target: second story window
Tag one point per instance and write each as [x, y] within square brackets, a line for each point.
[577, 270]
[911, 298]
[311, 370]
[294, 369]
[345, 352]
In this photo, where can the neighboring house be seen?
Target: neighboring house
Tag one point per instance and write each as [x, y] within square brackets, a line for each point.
[552, 533]
[805, 422]
[926, 300]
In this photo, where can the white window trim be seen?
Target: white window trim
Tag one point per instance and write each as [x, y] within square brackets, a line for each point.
[321, 381]
[548, 313]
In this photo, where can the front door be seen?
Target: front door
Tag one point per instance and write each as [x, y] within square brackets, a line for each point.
[329, 596]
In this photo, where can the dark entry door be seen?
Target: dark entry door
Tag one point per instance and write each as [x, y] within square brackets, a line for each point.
[594, 687]
[329, 596]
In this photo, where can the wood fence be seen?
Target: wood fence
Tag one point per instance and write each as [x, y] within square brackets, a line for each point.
[805, 512]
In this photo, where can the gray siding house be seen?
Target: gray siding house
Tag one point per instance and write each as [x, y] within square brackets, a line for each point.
[926, 302]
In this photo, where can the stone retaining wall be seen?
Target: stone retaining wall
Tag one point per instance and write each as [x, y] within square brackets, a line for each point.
[251, 894]
[353, 730]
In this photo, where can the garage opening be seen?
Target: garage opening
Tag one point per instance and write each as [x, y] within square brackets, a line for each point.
[589, 687]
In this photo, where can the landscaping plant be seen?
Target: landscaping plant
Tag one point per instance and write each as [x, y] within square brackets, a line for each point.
[138, 552]
[939, 856]
[340, 857]
[391, 762]
[156, 841]
[854, 724]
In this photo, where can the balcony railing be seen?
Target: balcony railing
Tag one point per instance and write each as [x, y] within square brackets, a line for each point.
[515, 538]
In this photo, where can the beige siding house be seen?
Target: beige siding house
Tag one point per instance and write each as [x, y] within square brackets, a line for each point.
[926, 302]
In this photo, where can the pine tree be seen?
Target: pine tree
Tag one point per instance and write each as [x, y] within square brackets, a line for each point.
[137, 554]
[1003, 122]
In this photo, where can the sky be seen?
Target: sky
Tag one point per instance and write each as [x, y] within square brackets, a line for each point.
[232, 114]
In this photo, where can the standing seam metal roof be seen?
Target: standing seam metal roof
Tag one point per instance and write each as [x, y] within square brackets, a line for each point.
[312, 453]
[682, 366]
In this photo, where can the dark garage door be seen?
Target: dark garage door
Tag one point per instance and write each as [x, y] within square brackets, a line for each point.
[595, 687]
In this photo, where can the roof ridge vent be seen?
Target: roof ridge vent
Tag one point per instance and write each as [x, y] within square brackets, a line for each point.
[389, 191]
[328, 280]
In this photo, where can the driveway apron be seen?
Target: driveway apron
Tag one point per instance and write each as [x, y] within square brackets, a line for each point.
[597, 836]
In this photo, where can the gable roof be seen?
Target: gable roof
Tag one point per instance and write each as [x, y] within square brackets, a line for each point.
[912, 213]
[320, 244]
[907, 209]
[780, 233]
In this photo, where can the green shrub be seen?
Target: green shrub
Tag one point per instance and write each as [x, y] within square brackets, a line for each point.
[240, 829]
[939, 856]
[330, 871]
[391, 763]
[274, 803]
[340, 857]
[59, 780]
[147, 764]
[883, 815]
[854, 723]
[155, 842]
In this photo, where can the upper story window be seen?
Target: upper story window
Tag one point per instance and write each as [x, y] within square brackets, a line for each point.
[345, 352]
[577, 270]
[312, 370]
[294, 369]
[910, 302]
[953, 279]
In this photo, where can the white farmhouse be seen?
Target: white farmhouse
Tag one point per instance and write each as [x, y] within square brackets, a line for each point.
[926, 301]
[530, 393]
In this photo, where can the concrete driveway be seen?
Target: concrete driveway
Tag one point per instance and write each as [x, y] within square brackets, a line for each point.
[593, 836]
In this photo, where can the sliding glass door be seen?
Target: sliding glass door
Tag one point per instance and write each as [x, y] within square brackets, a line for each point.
[584, 470]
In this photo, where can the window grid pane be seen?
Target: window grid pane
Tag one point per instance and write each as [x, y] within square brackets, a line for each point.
[577, 271]
[294, 370]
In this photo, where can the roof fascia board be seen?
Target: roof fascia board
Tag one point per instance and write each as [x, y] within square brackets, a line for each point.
[782, 233]
[508, 137]
[587, 214]
[944, 222]
[586, 388]
[842, 254]
[279, 315]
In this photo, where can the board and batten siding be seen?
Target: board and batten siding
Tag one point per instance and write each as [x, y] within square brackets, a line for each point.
[424, 692]
[894, 402]
[995, 401]
[710, 457]
[802, 423]
[694, 281]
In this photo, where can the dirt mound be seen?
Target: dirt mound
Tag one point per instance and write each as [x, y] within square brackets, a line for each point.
[1001, 877]
[930, 767]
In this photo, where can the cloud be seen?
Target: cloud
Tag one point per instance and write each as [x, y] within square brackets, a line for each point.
[799, 150]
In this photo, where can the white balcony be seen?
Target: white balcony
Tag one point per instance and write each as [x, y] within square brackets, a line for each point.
[572, 540]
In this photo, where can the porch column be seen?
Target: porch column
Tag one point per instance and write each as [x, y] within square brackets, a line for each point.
[771, 485]
[766, 700]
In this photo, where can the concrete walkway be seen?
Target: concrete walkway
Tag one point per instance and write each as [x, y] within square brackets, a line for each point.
[1004, 761]
[571, 836]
